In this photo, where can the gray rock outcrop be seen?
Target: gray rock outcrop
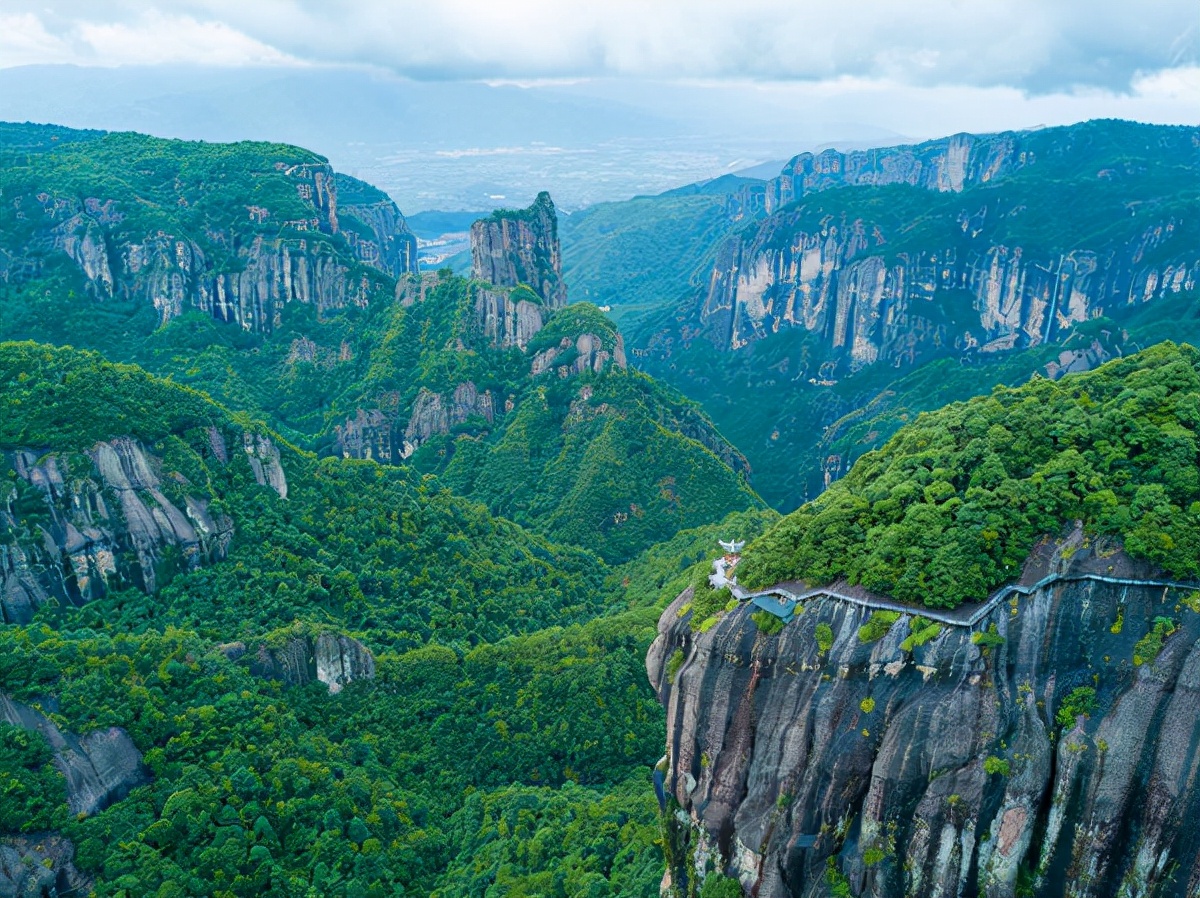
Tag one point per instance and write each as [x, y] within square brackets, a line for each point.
[264, 459]
[328, 658]
[39, 866]
[73, 526]
[585, 353]
[436, 413]
[840, 282]
[100, 767]
[520, 246]
[505, 322]
[1046, 748]
[947, 165]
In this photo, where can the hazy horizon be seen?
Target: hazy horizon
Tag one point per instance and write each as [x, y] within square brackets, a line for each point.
[463, 106]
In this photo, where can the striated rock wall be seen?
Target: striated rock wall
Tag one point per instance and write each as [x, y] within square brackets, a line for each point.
[392, 247]
[436, 413]
[505, 322]
[100, 767]
[263, 456]
[945, 769]
[244, 274]
[868, 304]
[329, 658]
[72, 526]
[520, 246]
[946, 165]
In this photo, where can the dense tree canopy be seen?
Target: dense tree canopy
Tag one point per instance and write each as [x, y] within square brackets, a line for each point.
[950, 507]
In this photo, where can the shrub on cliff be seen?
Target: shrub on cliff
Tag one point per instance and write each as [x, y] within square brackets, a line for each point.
[951, 506]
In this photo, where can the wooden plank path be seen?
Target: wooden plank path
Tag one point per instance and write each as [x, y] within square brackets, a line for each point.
[788, 595]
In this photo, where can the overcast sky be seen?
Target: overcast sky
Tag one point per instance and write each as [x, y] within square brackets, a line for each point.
[1038, 46]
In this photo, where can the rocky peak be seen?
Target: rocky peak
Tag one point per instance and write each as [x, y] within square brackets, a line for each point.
[520, 246]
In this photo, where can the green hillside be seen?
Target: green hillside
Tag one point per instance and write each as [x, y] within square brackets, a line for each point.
[125, 244]
[644, 254]
[394, 783]
[950, 507]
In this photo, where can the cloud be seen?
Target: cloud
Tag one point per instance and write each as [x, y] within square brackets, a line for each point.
[1041, 46]
[148, 37]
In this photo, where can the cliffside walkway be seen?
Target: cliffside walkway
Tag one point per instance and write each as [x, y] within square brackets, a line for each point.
[782, 599]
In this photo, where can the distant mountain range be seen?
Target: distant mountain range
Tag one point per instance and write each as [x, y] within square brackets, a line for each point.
[800, 310]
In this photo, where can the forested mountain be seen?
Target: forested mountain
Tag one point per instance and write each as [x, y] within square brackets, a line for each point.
[257, 274]
[324, 575]
[1008, 254]
[265, 673]
[1040, 743]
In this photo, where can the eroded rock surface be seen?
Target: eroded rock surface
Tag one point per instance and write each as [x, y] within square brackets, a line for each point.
[245, 275]
[100, 767]
[328, 658]
[585, 353]
[841, 282]
[945, 769]
[74, 525]
[436, 413]
[520, 246]
[41, 865]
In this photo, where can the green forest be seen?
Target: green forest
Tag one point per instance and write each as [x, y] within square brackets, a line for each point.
[504, 572]
[503, 747]
[950, 507]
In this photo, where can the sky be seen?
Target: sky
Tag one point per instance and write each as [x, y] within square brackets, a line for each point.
[795, 71]
[1040, 46]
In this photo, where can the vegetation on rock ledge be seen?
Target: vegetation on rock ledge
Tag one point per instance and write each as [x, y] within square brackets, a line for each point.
[951, 506]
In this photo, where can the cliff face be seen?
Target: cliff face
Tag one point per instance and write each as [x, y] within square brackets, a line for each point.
[100, 767]
[328, 658]
[867, 304]
[242, 273]
[1057, 754]
[437, 413]
[521, 247]
[41, 865]
[949, 164]
[505, 321]
[75, 525]
[585, 353]
[389, 245]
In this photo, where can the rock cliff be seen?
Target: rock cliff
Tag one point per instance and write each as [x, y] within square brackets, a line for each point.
[328, 658]
[243, 272]
[100, 767]
[39, 866]
[1050, 751]
[386, 243]
[968, 289]
[504, 320]
[437, 413]
[520, 246]
[75, 525]
[585, 353]
[948, 164]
